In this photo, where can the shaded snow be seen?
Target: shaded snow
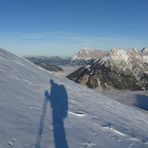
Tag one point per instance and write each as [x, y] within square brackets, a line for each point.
[93, 120]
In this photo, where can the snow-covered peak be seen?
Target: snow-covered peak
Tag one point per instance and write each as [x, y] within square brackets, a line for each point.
[119, 54]
[74, 57]
[84, 53]
[87, 55]
[116, 55]
[134, 50]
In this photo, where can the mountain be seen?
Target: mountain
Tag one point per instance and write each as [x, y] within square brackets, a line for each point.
[48, 66]
[49, 60]
[30, 106]
[144, 54]
[49, 63]
[144, 50]
[86, 56]
[119, 69]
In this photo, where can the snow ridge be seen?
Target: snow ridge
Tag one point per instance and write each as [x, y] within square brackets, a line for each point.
[116, 55]
[86, 55]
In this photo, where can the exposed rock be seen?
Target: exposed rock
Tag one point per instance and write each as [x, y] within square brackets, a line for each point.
[144, 50]
[49, 60]
[48, 67]
[119, 69]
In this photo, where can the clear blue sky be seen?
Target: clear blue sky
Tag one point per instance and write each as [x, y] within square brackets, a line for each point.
[62, 27]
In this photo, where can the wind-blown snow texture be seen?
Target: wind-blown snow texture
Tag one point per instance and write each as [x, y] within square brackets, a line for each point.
[93, 121]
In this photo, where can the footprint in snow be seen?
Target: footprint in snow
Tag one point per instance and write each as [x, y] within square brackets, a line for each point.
[109, 127]
[88, 145]
[12, 142]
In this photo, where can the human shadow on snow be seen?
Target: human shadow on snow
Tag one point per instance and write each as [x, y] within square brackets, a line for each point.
[59, 103]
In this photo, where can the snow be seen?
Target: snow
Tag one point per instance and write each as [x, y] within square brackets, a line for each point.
[94, 120]
[144, 58]
[84, 54]
[74, 57]
[117, 55]
[86, 50]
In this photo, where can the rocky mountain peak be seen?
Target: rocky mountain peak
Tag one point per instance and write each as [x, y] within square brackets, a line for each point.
[119, 69]
[87, 55]
[84, 53]
[134, 50]
[117, 55]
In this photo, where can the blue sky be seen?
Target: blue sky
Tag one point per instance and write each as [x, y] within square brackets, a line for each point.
[62, 27]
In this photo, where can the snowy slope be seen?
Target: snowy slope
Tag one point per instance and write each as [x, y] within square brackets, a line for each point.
[93, 121]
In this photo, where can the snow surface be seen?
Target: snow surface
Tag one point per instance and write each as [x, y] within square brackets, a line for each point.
[93, 121]
[145, 59]
[117, 55]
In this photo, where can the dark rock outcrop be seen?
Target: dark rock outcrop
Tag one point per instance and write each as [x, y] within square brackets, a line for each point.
[48, 63]
[49, 67]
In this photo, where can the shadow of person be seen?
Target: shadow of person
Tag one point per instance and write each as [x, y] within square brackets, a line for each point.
[59, 104]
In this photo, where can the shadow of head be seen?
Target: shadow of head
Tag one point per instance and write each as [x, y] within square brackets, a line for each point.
[142, 101]
[52, 82]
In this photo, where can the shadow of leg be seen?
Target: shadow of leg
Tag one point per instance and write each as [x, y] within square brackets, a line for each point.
[59, 135]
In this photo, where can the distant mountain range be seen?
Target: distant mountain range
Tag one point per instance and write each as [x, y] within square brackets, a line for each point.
[84, 56]
[87, 56]
[119, 68]
[50, 60]
[49, 63]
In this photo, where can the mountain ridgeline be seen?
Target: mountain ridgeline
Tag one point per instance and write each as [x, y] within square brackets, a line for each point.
[87, 56]
[119, 68]
[48, 63]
